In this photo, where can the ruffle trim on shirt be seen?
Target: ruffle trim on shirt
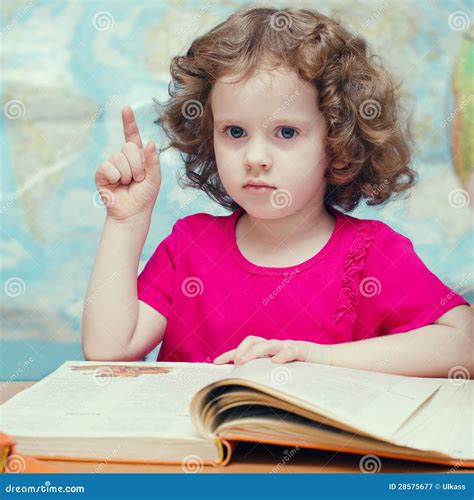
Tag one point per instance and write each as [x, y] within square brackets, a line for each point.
[353, 266]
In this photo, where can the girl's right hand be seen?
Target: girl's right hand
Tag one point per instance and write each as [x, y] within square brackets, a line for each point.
[129, 182]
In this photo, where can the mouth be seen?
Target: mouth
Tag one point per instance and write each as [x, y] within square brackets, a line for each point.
[258, 183]
[259, 188]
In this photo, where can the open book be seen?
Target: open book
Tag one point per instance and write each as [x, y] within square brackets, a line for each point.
[195, 413]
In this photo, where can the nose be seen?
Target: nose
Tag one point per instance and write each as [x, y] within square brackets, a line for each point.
[257, 155]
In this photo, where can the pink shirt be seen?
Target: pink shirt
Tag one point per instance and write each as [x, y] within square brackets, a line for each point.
[365, 282]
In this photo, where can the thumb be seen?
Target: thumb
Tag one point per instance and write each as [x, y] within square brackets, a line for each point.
[151, 163]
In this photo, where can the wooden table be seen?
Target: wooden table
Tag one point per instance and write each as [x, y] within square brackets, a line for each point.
[250, 458]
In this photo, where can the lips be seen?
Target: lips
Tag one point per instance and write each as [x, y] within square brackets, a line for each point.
[261, 189]
[259, 184]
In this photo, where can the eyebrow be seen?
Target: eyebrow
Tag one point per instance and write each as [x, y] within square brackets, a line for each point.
[271, 119]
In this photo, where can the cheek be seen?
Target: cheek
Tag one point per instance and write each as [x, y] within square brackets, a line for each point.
[313, 171]
[319, 159]
[307, 177]
[218, 155]
[226, 157]
[225, 168]
[308, 165]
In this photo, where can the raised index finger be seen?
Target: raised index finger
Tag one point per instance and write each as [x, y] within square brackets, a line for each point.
[130, 127]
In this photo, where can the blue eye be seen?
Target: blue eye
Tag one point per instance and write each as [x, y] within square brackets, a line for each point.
[237, 132]
[234, 129]
[285, 130]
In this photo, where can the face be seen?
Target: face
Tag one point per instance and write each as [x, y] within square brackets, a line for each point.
[269, 129]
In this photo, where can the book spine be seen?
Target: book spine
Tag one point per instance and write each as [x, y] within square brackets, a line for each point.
[6, 450]
[225, 449]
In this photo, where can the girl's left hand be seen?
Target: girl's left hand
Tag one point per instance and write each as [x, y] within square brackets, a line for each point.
[281, 351]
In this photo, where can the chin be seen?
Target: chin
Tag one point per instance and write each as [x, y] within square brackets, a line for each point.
[266, 211]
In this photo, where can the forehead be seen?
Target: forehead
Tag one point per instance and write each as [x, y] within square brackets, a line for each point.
[264, 89]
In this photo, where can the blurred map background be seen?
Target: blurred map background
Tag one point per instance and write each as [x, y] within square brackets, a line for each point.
[69, 67]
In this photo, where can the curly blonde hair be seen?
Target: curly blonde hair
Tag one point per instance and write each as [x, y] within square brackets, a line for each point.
[367, 149]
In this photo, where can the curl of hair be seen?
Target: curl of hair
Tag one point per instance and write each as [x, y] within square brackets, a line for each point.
[367, 148]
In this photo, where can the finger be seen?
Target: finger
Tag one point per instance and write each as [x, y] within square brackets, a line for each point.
[130, 127]
[224, 357]
[107, 173]
[244, 345]
[132, 153]
[121, 162]
[287, 354]
[261, 350]
[152, 164]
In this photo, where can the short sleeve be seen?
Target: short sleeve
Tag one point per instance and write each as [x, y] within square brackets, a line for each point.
[397, 290]
[156, 281]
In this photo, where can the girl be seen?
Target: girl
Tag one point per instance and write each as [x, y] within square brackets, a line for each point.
[284, 119]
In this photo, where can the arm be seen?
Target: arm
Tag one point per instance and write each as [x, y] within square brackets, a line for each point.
[116, 325]
[436, 350]
[430, 351]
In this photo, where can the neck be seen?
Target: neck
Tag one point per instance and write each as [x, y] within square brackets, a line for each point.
[295, 227]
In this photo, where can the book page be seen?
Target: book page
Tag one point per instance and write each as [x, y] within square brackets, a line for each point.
[376, 403]
[452, 430]
[89, 398]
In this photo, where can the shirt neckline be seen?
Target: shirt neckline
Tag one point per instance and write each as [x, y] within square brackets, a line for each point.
[283, 271]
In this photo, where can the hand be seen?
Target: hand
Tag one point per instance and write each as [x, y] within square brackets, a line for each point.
[281, 351]
[130, 180]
